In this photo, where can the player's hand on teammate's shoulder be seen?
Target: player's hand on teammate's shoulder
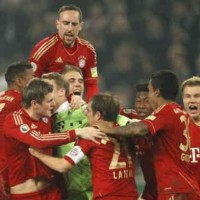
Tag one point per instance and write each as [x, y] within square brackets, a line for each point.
[90, 133]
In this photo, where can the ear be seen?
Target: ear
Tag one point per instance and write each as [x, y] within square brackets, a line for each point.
[157, 92]
[19, 82]
[81, 26]
[57, 24]
[61, 92]
[98, 115]
[34, 103]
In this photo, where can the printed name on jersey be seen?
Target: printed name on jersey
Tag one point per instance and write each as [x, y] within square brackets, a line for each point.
[82, 61]
[93, 71]
[34, 65]
[76, 154]
[59, 60]
[24, 128]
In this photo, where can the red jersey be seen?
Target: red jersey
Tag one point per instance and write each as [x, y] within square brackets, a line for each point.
[10, 101]
[50, 55]
[169, 127]
[143, 147]
[21, 131]
[195, 150]
[112, 168]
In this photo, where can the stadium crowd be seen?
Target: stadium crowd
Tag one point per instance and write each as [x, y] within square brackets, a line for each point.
[132, 38]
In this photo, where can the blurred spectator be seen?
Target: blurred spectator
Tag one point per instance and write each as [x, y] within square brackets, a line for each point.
[132, 38]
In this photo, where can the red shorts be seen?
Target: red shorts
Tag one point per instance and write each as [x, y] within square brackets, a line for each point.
[49, 193]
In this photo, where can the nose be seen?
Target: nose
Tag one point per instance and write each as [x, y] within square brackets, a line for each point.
[53, 103]
[70, 26]
[77, 83]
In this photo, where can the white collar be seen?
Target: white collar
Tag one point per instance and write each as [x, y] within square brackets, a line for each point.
[62, 107]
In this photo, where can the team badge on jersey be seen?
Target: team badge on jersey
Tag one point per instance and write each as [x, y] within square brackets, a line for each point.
[24, 128]
[82, 61]
[34, 65]
[93, 71]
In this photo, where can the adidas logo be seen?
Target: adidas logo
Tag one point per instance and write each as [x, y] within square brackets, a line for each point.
[59, 60]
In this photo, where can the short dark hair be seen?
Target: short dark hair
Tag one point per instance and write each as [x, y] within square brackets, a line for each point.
[107, 105]
[15, 70]
[71, 7]
[167, 82]
[36, 90]
[59, 80]
[142, 87]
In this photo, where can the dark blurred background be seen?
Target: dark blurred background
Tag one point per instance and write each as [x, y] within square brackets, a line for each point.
[132, 37]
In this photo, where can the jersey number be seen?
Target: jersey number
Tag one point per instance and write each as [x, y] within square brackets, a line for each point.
[2, 106]
[185, 147]
[115, 164]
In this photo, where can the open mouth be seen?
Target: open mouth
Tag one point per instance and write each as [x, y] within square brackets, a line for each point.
[68, 35]
[77, 93]
[193, 109]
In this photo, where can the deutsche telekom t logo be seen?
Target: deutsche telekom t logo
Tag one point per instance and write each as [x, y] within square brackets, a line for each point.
[195, 154]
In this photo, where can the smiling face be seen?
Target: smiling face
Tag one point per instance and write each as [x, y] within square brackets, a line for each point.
[142, 105]
[76, 83]
[191, 101]
[68, 25]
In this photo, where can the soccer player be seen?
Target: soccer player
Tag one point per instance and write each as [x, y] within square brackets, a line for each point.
[111, 163]
[191, 101]
[73, 75]
[78, 180]
[65, 47]
[168, 125]
[143, 145]
[28, 178]
[17, 76]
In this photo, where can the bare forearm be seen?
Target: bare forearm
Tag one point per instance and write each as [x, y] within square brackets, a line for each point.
[136, 128]
[57, 164]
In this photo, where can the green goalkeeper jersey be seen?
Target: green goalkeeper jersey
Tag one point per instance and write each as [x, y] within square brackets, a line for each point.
[79, 186]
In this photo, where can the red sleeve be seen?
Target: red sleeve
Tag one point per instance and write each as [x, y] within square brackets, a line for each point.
[130, 113]
[68, 159]
[33, 137]
[41, 53]
[158, 121]
[91, 72]
[38, 63]
[91, 88]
